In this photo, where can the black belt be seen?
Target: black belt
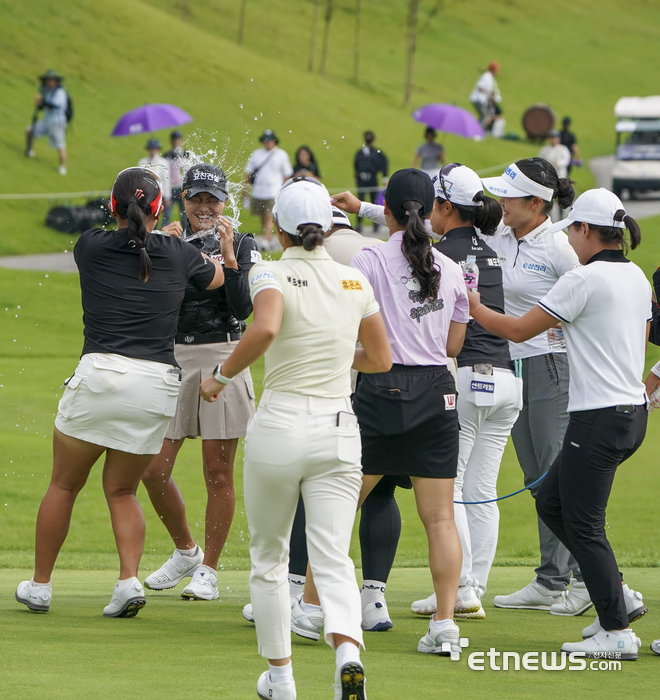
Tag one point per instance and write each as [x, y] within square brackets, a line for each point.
[205, 338]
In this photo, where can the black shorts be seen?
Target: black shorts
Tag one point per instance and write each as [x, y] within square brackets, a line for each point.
[408, 422]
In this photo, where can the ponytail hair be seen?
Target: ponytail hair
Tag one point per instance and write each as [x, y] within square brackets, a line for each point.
[615, 234]
[417, 249]
[135, 194]
[486, 217]
[544, 173]
[309, 236]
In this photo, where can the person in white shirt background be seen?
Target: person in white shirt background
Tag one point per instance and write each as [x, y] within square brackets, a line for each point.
[604, 307]
[267, 168]
[486, 99]
[309, 311]
[533, 258]
[161, 166]
[557, 154]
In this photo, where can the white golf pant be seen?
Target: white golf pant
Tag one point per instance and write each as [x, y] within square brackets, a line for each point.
[294, 445]
[482, 439]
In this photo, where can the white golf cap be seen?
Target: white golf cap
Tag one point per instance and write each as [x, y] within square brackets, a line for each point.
[302, 201]
[514, 183]
[596, 207]
[458, 185]
[340, 218]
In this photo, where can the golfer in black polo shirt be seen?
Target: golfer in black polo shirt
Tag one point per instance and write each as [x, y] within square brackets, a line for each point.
[124, 391]
[604, 308]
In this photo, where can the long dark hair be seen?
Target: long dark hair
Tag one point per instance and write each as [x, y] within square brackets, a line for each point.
[614, 234]
[416, 247]
[133, 193]
[486, 218]
[544, 173]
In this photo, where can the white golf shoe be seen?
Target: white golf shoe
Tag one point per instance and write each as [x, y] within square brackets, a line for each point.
[621, 645]
[634, 607]
[176, 568]
[468, 604]
[444, 642]
[247, 613]
[534, 596]
[577, 602]
[127, 599]
[203, 586]
[655, 646]
[267, 690]
[306, 623]
[375, 617]
[36, 596]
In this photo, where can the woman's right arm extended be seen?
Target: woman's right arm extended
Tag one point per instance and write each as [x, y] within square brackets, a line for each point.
[375, 354]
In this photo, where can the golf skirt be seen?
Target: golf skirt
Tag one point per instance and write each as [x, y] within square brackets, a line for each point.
[408, 423]
[118, 402]
[224, 419]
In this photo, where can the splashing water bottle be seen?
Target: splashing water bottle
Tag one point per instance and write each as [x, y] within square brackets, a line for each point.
[471, 273]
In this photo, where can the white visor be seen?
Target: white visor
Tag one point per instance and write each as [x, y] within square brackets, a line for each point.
[514, 183]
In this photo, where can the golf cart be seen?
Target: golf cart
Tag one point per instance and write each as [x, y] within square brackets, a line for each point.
[637, 165]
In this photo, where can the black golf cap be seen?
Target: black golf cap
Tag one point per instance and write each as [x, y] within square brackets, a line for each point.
[268, 135]
[205, 178]
[407, 185]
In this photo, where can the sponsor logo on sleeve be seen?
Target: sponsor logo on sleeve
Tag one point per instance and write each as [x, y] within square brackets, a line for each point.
[264, 276]
[351, 285]
[255, 256]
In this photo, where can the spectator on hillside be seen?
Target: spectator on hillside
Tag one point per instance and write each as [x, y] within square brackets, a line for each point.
[53, 99]
[175, 156]
[430, 153]
[306, 163]
[369, 161]
[567, 138]
[267, 168]
[486, 99]
[159, 165]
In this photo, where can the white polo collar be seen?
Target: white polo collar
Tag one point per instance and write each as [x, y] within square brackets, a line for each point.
[536, 234]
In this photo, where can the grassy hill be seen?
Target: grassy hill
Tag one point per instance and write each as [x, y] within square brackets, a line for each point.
[123, 53]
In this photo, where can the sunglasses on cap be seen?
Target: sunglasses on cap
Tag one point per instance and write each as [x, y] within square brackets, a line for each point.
[301, 178]
[445, 170]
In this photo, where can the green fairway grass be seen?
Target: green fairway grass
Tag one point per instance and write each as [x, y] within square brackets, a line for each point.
[179, 649]
[120, 54]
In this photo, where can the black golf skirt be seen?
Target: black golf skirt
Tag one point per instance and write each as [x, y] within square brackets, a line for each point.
[408, 422]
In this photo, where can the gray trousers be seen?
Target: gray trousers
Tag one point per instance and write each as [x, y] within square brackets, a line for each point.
[537, 436]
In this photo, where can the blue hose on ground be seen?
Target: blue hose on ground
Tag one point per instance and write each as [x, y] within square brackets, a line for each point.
[501, 498]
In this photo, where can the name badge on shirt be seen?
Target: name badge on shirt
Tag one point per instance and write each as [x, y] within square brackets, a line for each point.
[351, 285]
[484, 387]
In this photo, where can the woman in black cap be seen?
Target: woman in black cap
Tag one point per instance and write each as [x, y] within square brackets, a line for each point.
[124, 391]
[210, 325]
[407, 416]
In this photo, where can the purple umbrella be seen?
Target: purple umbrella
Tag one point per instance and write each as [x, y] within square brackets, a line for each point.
[450, 119]
[150, 118]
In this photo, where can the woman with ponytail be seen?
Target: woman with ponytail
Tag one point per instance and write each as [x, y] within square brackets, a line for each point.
[124, 391]
[489, 393]
[309, 312]
[408, 418]
[533, 258]
[604, 308]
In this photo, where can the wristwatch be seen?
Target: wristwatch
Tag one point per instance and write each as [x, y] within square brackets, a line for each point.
[220, 378]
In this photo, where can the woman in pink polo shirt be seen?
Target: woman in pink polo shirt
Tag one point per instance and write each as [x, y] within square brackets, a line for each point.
[408, 416]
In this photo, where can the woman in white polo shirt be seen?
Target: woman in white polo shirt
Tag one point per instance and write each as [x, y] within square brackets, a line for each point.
[604, 308]
[533, 258]
[309, 312]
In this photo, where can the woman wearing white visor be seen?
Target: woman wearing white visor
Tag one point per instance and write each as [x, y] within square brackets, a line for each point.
[533, 258]
[605, 311]
[309, 312]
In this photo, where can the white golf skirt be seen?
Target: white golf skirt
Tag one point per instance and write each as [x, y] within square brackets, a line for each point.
[119, 402]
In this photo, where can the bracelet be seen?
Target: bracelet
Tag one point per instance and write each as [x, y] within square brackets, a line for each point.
[217, 375]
